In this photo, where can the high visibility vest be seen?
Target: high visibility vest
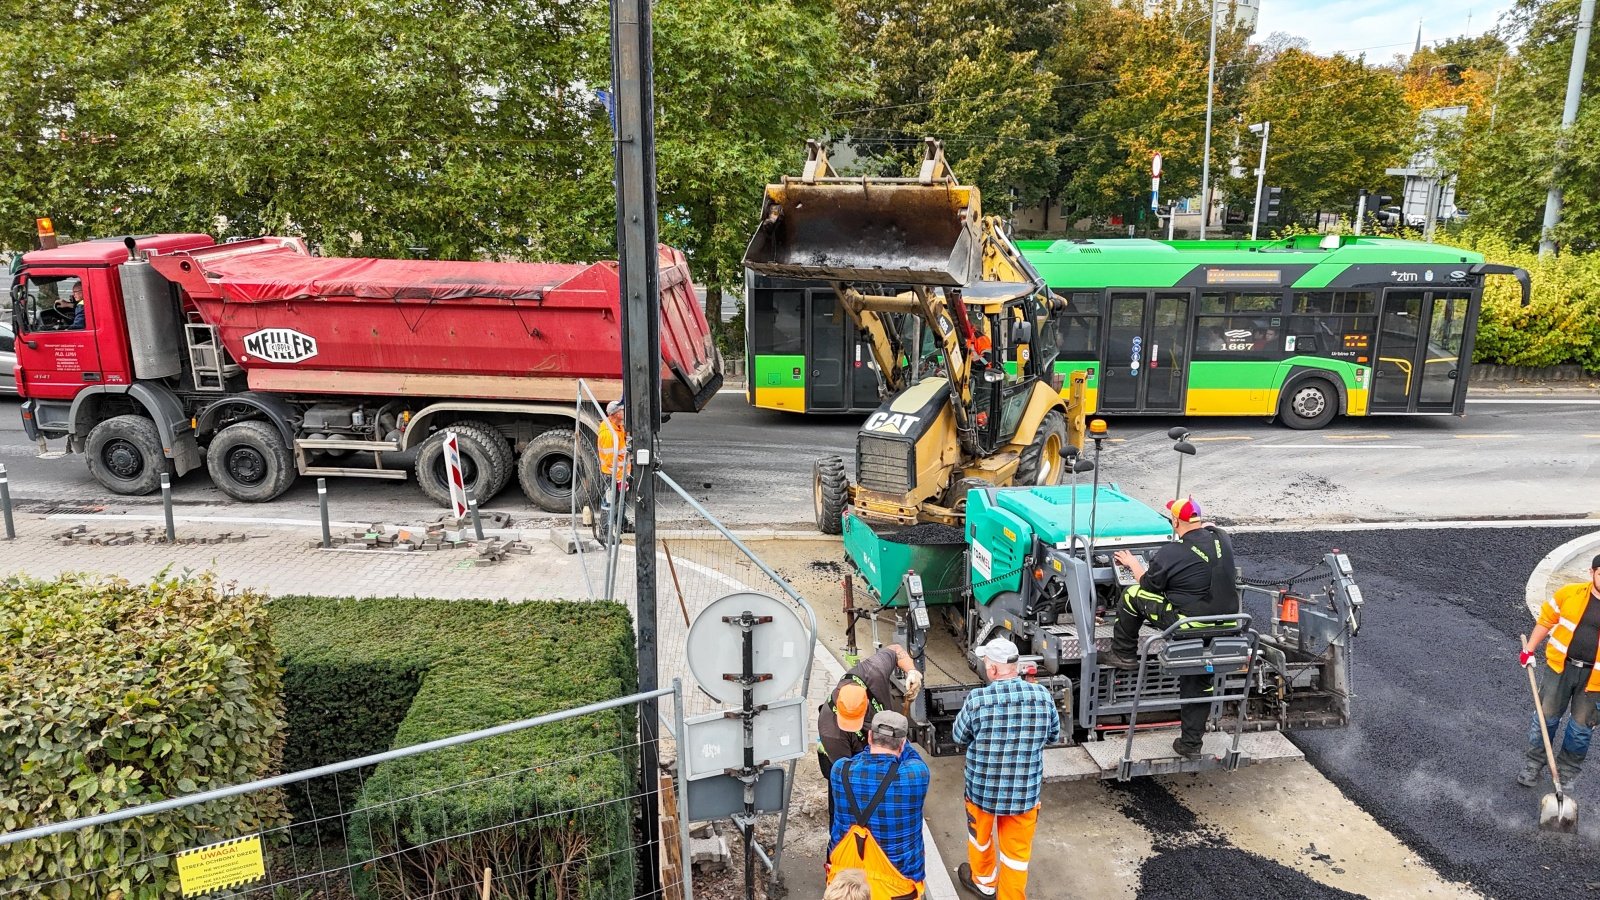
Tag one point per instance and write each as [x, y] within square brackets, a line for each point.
[612, 442]
[1561, 614]
[858, 849]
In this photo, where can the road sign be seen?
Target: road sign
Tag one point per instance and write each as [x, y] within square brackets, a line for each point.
[780, 648]
[458, 486]
[721, 796]
[716, 742]
[1155, 166]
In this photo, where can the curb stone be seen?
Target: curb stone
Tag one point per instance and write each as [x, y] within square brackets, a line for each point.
[1553, 563]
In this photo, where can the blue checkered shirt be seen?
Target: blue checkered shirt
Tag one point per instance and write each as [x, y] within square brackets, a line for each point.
[897, 822]
[1005, 726]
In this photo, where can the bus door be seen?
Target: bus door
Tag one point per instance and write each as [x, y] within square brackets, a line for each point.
[1146, 353]
[841, 376]
[1417, 364]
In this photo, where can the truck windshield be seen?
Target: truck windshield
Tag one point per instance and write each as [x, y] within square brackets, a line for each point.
[52, 303]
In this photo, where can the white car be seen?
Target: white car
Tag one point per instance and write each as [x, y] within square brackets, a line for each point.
[8, 359]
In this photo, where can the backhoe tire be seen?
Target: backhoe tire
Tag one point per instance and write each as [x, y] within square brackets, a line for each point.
[478, 466]
[125, 455]
[1041, 462]
[829, 490]
[497, 444]
[548, 473]
[1308, 405]
[248, 461]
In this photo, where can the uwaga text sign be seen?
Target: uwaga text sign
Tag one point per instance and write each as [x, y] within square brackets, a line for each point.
[280, 345]
[223, 865]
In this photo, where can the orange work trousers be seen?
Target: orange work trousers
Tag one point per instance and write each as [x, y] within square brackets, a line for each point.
[1002, 869]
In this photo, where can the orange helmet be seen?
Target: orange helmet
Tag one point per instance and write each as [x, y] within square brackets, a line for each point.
[850, 706]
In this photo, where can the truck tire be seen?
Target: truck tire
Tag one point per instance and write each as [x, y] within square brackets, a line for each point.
[506, 461]
[1041, 460]
[548, 473]
[1308, 404]
[829, 490]
[478, 461]
[125, 455]
[248, 461]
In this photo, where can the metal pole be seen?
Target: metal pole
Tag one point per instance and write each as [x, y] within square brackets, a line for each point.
[1569, 115]
[5, 503]
[322, 501]
[1261, 179]
[1361, 209]
[472, 509]
[682, 787]
[633, 87]
[166, 507]
[752, 774]
[1205, 163]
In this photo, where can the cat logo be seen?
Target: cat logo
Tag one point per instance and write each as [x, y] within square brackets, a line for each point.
[899, 423]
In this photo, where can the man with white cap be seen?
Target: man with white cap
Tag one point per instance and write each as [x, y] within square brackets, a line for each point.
[611, 440]
[1005, 726]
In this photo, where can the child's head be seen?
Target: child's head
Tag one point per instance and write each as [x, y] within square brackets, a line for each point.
[849, 884]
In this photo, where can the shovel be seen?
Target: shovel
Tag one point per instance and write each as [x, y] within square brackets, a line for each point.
[1557, 811]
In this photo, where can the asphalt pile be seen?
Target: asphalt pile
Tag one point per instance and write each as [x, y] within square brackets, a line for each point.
[1442, 710]
[1198, 863]
[926, 534]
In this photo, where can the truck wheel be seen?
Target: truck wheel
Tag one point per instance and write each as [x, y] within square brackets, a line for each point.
[829, 489]
[1309, 405]
[505, 460]
[248, 461]
[125, 455]
[547, 472]
[1041, 459]
[478, 462]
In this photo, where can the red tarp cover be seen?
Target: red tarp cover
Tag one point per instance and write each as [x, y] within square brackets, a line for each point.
[285, 275]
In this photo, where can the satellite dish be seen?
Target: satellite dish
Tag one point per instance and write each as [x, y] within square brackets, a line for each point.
[780, 647]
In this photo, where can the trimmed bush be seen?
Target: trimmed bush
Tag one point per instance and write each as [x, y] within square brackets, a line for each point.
[114, 694]
[349, 665]
[1561, 325]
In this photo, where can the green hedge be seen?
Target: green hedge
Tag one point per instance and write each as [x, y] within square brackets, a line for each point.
[1560, 326]
[113, 694]
[349, 666]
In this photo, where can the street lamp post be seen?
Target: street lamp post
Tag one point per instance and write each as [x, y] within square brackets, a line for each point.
[1264, 129]
[1211, 89]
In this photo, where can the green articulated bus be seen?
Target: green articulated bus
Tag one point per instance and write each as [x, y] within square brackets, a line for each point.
[1304, 328]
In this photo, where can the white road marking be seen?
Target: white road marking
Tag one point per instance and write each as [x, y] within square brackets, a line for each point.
[1576, 401]
[208, 520]
[1290, 527]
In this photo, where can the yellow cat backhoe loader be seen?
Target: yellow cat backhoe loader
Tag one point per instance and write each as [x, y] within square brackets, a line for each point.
[972, 399]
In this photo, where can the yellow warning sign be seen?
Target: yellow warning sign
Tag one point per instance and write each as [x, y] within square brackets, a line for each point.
[223, 865]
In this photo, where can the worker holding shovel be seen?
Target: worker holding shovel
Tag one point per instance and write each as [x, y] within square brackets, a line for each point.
[1569, 682]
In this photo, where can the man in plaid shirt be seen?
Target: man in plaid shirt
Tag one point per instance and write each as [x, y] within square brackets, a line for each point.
[1005, 726]
[877, 811]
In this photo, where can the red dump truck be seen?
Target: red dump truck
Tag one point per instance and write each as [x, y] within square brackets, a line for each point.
[261, 362]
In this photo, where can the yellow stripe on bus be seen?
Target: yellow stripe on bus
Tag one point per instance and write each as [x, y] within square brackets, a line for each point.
[790, 398]
[1230, 402]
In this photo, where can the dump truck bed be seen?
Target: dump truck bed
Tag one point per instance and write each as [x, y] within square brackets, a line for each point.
[497, 330]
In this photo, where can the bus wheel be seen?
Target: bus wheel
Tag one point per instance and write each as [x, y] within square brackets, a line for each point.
[1308, 405]
[828, 490]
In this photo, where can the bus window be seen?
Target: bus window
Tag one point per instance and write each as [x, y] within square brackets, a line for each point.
[1239, 337]
[1269, 303]
[1338, 303]
[1080, 325]
[777, 320]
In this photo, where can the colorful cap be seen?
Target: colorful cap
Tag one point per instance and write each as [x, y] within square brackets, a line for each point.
[1186, 510]
[850, 706]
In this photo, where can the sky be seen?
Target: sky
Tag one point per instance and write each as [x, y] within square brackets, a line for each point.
[1380, 27]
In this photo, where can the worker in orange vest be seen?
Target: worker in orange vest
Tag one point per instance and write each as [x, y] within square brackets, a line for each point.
[611, 440]
[1569, 682]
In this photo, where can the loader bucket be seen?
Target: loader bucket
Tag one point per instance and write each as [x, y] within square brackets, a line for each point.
[885, 231]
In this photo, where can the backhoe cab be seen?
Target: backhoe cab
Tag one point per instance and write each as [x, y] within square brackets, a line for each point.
[962, 329]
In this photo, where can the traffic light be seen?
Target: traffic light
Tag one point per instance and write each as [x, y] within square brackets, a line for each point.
[1271, 211]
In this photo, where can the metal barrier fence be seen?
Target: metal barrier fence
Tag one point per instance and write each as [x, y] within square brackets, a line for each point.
[549, 826]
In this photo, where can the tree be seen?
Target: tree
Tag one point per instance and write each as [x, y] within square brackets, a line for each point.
[1512, 157]
[1336, 125]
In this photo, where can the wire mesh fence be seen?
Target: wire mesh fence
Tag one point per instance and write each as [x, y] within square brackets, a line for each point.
[507, 812]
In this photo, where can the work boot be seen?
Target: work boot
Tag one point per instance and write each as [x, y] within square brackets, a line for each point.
[1187, 751]
[1115, 659]
[964, 879]
[1569, 769]
[1529, 777]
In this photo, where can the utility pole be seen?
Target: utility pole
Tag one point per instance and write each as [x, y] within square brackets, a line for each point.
[1205, 162]
[1569, 115]
[1264, 129]
[633, 90]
